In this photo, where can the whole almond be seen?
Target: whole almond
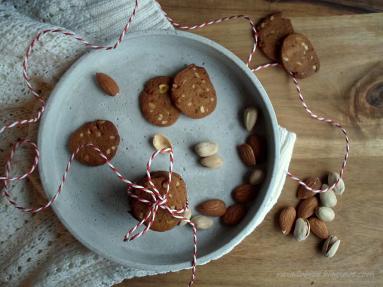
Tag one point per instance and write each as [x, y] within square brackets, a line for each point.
[107, 84]
[213, 161]
[246, 154]
[257, 144]
[234, 214]
[243, 193]
[256, 177]
[205, 149]
[212, 207]
[202, 222]
[287, 219]
[318, 227]
[250, 116]
[313, 182]
[306, 207]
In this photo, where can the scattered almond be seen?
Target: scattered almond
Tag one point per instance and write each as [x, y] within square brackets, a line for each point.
[318, 227]
[313, 182]
[213, 161]
[247, 155]
[287, 219]
[234, 214]
[256, 177]
[212, 207]
[307, 207]
[250, 116]
[243, 193]
[205, 149]
[257, 144]
[202, 222]
[107, 84]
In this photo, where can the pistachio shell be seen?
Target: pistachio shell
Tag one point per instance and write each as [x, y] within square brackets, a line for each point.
[330, 246]
[302, 229]
[325, 214]
[340, 187]
[327, 198]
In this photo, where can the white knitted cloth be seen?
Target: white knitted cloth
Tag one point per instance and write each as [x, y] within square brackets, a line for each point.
[37, 250]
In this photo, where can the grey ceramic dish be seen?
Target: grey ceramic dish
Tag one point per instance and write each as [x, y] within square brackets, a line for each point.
[94, 206]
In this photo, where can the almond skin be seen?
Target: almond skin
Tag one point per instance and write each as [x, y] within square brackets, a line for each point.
[107, 84]
[306, 207]
[318, 227]
[234, 214]
[246, 154]
[313, 182]
[212, 207]
[287, 219]
[243, 193]
[257, 144]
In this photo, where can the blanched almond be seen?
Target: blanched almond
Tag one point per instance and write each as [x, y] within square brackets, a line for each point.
[205, 149]
[213, 161]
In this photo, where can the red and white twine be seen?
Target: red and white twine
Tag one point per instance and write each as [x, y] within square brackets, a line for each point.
[156, 200]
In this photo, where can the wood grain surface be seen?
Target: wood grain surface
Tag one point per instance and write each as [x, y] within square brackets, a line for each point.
[349, 45]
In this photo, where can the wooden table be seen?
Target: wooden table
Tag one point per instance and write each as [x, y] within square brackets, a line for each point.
[349, 44]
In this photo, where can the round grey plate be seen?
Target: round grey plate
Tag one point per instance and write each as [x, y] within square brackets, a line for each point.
[94, 206]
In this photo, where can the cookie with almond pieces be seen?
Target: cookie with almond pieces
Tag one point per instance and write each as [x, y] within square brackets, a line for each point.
[103, 134]
[299, 57]
[271, 31]
[193, 93]
[155, 103]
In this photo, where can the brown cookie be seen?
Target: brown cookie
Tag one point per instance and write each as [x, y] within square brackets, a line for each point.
[101, 133]
[193, 93]
[156, 105]
[298, 56]
[271, 31]
[176, 198]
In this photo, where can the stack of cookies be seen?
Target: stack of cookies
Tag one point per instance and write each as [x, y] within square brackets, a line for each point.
[190, 92]
[176, 199]
[280, 43]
